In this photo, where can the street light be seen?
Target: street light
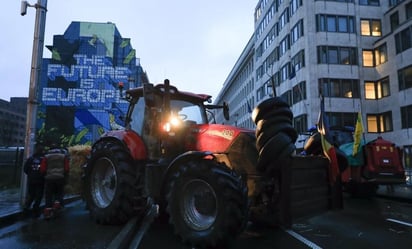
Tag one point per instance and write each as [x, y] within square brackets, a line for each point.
[38, 44]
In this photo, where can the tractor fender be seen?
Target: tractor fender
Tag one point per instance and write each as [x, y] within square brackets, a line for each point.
[185, 157]
[131, 141]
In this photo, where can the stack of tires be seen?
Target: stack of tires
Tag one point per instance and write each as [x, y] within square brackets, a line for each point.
[275, 135]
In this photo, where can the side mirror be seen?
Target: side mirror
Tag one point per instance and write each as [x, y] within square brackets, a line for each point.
[226, 110]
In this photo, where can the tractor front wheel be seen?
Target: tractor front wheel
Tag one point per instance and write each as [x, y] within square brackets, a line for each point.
[207, 203]
[114, 189]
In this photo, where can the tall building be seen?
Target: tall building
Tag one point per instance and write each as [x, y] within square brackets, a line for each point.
[79, 91]
[13, 122]
[355, 53]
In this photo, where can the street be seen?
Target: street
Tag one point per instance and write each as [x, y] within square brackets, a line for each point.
[363, 223]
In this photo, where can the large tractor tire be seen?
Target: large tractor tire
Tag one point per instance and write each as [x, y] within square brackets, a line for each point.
[114, 189]
[207, 203]
[275, 134]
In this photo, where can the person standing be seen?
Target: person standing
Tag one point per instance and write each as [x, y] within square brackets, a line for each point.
[35, 181]
[55, 167]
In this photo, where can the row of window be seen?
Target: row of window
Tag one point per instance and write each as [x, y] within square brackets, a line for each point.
[375, 122]
[361, 2]
[287, 71]
[340, 88]
[283, 18]
[349, 88]
[344, 88]
[337, 55]
[328, 23]
[296, 33]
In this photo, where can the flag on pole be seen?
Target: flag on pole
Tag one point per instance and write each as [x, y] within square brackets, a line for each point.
[328, 148]
[358, 134]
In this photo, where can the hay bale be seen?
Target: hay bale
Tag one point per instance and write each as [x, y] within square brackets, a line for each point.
[78, 158]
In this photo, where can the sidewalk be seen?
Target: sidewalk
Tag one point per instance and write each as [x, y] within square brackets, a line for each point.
[10, 208]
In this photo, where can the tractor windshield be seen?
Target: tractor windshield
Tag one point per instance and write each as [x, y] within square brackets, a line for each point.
[188, 111]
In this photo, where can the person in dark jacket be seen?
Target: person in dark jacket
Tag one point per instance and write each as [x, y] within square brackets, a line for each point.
[35, 181]
[55, 167]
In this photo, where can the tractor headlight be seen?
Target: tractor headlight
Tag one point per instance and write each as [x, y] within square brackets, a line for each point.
[173, 123]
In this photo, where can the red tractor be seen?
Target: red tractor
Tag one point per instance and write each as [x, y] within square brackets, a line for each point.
[208, 179]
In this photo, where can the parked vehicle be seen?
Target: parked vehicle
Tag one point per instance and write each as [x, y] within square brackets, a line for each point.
[379, 162]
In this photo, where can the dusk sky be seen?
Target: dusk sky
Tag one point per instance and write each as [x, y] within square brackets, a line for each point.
[195, 44]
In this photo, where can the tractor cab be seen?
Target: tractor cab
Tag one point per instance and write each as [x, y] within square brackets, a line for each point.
[162, 115]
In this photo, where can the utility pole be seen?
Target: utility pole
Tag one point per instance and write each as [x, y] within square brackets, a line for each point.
[36, 61]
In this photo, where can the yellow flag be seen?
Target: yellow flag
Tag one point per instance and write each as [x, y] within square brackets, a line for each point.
[358, 134]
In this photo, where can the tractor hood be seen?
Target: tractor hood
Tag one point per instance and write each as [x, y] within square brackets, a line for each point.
[214, 137]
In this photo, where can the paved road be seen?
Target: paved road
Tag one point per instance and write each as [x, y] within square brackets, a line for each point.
[363, 223]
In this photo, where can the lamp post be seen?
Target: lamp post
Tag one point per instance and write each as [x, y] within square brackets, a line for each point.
[38, 44]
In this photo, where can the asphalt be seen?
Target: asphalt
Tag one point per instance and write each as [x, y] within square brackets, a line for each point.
[12, 212]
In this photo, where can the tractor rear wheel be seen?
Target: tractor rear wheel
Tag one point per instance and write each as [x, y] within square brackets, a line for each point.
[114, 189]
[207, 203]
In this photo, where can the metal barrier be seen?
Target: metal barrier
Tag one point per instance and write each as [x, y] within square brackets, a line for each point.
[11, 162]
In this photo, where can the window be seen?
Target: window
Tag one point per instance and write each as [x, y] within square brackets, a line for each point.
[403, 40]
[394, 18]
[299, 92]
[341, 119]
[369, 2]
[408, 10]
[284, 18]
[284, 72]
[370, 27]
[287, 97]
[378, 89]
[405, 78]
[333, 23]
[296, 32]
[406, 116]
[300, 123]
[381, 54]
[294, 5]
[395, 2]
[337, 55]
[381, 122]
[340, 88]
[297, 62]
[367, 56]
[332, 55]
[284, 45]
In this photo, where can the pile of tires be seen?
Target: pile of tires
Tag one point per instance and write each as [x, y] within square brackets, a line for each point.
[275, 134]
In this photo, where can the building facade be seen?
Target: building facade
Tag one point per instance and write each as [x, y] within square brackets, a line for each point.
[13, 122]
[79, 92]
[355, 53]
